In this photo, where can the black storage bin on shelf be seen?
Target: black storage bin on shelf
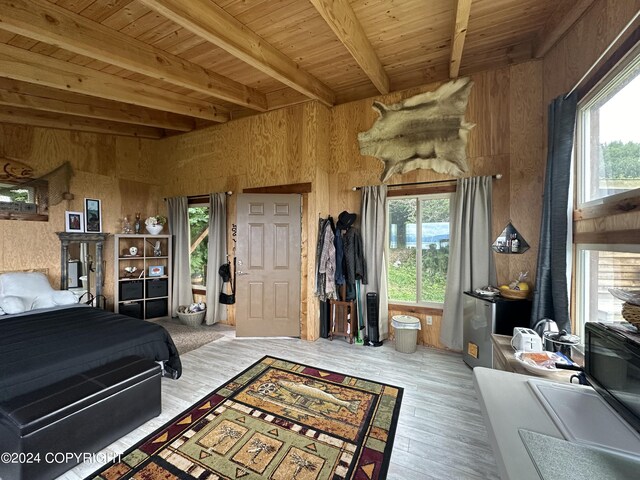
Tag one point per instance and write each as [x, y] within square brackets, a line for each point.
[157, 288]
[157, 308]
[131, 290]
[131, 309]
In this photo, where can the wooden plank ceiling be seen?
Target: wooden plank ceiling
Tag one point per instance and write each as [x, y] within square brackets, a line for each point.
[150, 68]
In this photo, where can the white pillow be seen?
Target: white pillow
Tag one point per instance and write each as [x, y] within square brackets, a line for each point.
[12, 305]
[64, 297]
[43, 301]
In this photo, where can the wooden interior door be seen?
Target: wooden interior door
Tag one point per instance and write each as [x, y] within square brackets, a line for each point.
[268, 265]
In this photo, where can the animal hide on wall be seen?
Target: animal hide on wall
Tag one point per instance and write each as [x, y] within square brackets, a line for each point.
[424, 131]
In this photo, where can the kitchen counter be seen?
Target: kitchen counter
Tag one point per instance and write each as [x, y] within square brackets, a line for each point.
[514, 415]
[504, 359]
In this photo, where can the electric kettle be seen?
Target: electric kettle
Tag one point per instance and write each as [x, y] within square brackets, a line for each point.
[545, 325]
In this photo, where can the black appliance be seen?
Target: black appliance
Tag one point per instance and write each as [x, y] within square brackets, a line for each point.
[373, 334]
[484, 315]
[612, 366]
[325, 315]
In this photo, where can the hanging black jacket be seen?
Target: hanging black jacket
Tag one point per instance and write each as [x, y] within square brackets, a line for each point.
[355, 265]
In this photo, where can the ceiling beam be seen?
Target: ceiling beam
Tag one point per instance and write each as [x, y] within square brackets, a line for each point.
[343, 21]
[211, 23]
[49, 23]
[20, 64]
[28, 95]
[561, 20]
[35, 118]
[463, 10]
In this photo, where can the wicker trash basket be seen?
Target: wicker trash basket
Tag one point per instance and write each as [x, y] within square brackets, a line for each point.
[191, 319]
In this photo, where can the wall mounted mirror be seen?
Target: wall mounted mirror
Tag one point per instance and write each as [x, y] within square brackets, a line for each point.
[21, 196]
[510, 241]
[24, 201]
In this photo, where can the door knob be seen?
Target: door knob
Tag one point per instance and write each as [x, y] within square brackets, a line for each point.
[243, 273]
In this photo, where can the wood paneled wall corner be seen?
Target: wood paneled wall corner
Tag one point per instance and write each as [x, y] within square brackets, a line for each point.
[105, 167]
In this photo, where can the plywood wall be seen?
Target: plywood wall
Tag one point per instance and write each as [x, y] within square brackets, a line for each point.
[506, 106]
[310, 143]
[113, 169]
[281, 147]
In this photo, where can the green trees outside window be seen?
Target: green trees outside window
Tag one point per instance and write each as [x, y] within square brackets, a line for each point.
[417, 264]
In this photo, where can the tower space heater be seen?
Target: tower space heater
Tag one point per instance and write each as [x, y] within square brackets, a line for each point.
[373, 336]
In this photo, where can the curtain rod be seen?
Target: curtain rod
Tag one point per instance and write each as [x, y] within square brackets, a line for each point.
[605, 53]
[203, 195]
[497, 176]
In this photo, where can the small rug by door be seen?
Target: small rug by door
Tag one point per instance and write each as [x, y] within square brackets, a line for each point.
[188, 338]
[276, 420]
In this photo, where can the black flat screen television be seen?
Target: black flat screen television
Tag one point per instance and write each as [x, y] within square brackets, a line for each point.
[612, 366]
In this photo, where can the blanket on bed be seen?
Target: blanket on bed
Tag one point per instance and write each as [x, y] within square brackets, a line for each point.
[42, 348]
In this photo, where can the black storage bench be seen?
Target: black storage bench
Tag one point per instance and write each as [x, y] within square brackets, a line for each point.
[81, 414]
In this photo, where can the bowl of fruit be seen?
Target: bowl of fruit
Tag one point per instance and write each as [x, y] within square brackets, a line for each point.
[517, 289]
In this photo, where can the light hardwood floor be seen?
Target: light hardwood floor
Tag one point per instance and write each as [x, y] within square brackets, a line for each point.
[440, 432]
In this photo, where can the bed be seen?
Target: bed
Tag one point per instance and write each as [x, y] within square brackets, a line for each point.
[64, 367]
[43, 347]
[47, 337]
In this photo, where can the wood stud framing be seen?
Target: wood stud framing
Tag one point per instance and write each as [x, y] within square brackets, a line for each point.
[343, 21]
[178, 65]
[210, 22]
[20, 64]
[48, 23]
[463, 9]
[27, 95]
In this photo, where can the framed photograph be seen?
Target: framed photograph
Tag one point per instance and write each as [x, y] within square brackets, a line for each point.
[156, 270]
[74, 222]
[92, 216]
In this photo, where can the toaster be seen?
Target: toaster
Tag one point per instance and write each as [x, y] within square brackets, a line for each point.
[526, 340]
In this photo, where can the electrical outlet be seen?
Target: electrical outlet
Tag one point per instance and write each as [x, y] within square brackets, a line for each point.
[429, 320]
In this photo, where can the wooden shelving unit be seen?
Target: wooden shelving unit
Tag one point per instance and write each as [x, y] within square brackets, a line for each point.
[140, 294]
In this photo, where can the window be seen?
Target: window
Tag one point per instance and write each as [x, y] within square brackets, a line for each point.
[199, 231]
[609, 137]
[600, 267]
[417, 264]
[608, 170]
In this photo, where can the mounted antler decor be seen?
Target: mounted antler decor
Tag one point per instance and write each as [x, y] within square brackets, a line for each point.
[424, 131]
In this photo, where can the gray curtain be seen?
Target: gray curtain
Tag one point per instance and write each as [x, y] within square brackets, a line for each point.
[471, 262]
[373, 225]
[178, 219]
[550, 297]
[216, 256]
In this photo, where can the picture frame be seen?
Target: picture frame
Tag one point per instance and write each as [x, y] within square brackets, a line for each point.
[73, 222]
[92, 215]
[156, 270]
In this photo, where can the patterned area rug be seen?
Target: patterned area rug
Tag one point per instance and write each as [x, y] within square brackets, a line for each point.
[277, 420]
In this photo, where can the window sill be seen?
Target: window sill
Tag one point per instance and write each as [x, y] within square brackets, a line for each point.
[413, 308]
